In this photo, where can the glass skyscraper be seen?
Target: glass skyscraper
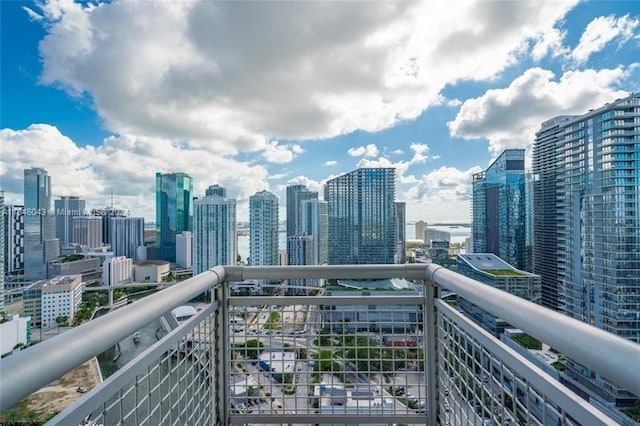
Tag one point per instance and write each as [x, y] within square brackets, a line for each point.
[545, 194]
[401, 231]
[263, 229]
[499, 209]
[39, 223]
[315, 222]
[295, 195]
[67, 207]
[127, 234]
[214, 230]
[174, 211]
[362, 216]
[592, 164]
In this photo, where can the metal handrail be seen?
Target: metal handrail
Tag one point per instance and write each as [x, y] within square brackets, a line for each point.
[38, 365]
[612, 356]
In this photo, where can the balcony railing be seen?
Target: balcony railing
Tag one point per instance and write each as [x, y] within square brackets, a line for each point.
[347, 358]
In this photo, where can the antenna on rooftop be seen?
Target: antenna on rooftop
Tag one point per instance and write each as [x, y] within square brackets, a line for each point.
[111, 198]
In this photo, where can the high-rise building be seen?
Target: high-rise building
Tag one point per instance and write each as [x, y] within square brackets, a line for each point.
[106, 214]
[432, 234]
[263, 229]
[401, 233]
[295, 195]
[87, 231]
[66, 208]
[529, 178]
[314, 217]
[127, 234]
[39, 223]
[589, 165]
[184, 249]
[421, 226]
[362, 227]
[545, 206]
[499, 209]
[216, 190]
[214, 231]
[174, 211]
[117, 271]
[300, 252]
[13, 239]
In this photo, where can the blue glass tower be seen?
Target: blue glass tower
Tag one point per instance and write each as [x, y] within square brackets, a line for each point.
[174, 211]
[39, 223]
[499, 209]
[362, 217]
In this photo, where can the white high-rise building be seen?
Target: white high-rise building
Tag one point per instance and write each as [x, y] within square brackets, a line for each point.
[263, 229]
[117, 271]
[127, 234]
[87, 231]
[184, 249]
[214, 232]
[314, 220]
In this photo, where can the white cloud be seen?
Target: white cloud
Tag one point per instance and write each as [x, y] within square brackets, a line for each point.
[126, 164]
[441, 195]
[277, 176]
[228, 76]
[311, 184]
[510, 117]
[276, 153]
[550, 42]
[397, 152]
[602, 31]
[368, 151]
[330, 163]
[33, 16]
[420, 151]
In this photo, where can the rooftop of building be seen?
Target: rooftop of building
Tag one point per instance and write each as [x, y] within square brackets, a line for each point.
[394, 284]
[151, 262]
[58, 280]
[491, 264]
[71, 258]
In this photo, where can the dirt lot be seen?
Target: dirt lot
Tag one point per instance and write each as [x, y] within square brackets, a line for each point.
[50, 400]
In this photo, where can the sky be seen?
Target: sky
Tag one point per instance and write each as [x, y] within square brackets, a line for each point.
[257, 95]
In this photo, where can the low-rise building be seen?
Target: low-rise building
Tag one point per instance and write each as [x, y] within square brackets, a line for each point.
[389, 317]
[150, 271]
[46, 300]
[338, 400]
[75, 264]
[491, 270]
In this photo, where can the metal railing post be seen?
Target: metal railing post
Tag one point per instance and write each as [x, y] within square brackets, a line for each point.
[431, 341]
[221, 356]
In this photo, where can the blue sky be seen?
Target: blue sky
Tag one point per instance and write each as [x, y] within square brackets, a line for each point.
[259, 95]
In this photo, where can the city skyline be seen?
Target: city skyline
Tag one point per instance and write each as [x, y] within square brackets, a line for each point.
[396, 94]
